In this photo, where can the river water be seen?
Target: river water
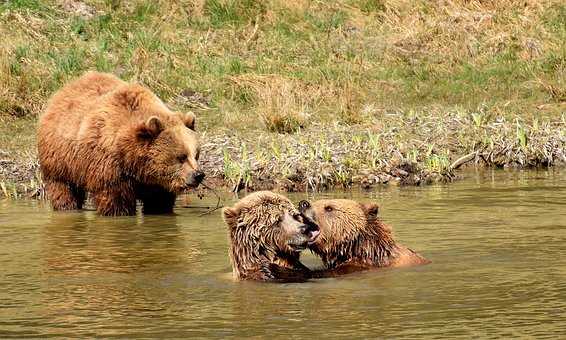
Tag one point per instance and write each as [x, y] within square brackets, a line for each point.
[497, 241]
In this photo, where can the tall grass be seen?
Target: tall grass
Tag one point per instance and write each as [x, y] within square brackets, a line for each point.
[325, 60]
[320, 92]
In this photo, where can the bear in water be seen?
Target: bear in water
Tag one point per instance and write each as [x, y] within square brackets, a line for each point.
[267, 234]
[353, 238]
[119, 142]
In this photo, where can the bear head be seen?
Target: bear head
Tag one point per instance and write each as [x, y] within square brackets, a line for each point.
[162, 147]
[265, 228]
[348, 230]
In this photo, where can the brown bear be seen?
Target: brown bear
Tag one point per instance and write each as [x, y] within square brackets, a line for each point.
[353, 238]
[267, 234]
[119, 142]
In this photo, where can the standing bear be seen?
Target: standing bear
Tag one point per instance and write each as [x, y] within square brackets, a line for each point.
[267, 234]
[119, 142]
[353, 238]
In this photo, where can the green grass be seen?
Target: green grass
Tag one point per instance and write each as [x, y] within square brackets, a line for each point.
[304, 67]
[34, 6]
[389, 54]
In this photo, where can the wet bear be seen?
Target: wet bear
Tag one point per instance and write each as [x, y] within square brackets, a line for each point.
[353, 238]
[267, 234]
[119, 142]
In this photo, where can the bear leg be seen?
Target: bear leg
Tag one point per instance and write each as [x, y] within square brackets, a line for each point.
[64, 196]
[115, 202]
[158, 202]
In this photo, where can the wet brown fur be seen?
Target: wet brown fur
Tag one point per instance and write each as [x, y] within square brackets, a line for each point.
[117, 141]
[353, 238]
[258, 243]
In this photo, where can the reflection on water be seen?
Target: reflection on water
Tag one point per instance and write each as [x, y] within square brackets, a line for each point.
[496, 241]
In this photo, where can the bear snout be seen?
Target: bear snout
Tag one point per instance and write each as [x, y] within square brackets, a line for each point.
[195, 178]
[313, 236]
[311, 231]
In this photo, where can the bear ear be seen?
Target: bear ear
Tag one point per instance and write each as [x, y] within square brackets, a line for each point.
[230, 216]
[189, 119]
[151, 128]
[371, 210]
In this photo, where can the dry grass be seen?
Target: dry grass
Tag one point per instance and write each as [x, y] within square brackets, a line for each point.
[358, 84]
[395, 54]
[429, 147]
[400, 148]
[280, 103]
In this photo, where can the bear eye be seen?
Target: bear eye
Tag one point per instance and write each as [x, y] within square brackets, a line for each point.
[328, 208]
[197, 155]
[182, 158]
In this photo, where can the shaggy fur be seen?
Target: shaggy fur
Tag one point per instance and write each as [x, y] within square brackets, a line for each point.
[352, 238]
[119, 142]
[266, 235]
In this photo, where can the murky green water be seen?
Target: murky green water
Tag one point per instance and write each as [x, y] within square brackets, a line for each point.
[497, 241]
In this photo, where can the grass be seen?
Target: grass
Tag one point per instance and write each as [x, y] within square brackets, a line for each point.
[372, 87]
[280, 103]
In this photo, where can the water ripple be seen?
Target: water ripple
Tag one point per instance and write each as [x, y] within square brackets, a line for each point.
[496, 241]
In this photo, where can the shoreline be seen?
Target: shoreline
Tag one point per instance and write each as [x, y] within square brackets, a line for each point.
[397, 149]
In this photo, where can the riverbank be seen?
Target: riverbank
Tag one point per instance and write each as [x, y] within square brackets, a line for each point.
[399, 148]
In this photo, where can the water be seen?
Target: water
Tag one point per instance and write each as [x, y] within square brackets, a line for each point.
[497, 241]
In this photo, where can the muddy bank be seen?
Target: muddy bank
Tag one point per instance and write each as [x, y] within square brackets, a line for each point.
[397, 149]
[399, 154]
[20, 177]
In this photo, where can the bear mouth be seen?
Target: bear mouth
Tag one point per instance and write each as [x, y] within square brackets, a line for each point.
[187, 187]
[298, 246]
[190, 186]
[313, 236]
[305, 241]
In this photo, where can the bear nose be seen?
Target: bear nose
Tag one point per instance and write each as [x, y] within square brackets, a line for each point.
[311, 231]
[198, 176]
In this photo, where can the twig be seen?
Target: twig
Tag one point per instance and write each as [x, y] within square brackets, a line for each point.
[483, 158]
[218, 206]
[237, 185]
[254, 32]
[463, 160]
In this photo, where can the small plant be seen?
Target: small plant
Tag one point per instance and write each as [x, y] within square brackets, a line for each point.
[488, 141]
[438, 163]
[478, 119]
[325, 153]
[238, 174]
[230, 167]
[522, 137]
[276, 150]
[328, 22]
[412, 155]
[4, 189]
[13, 191]
[371, 6]
[289, 122]
[373, 141]
[144, 10]
[16, 67]
[357, 139]
[343, 177]
[232, 12]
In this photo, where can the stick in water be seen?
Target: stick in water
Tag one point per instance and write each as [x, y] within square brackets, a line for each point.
[218, 206]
